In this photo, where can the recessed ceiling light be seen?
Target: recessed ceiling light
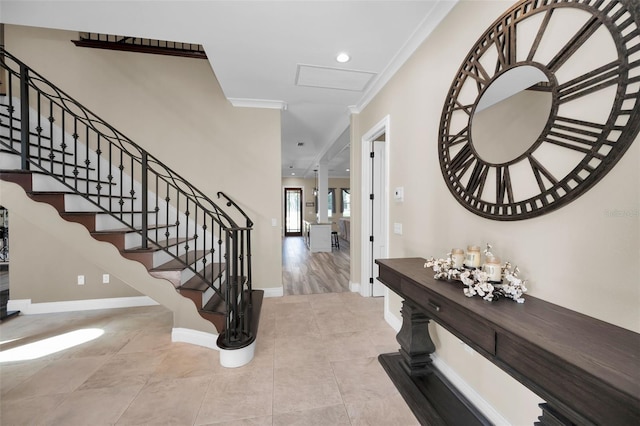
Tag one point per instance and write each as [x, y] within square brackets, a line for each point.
[343, 57]
[293, 174]
[347, 170]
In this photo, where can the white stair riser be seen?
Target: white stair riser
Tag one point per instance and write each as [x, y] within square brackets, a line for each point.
[207, 295]
[9, 161]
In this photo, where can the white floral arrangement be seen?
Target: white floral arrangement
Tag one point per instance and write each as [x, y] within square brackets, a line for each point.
[477, 281]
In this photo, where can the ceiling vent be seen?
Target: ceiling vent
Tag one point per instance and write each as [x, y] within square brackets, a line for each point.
[332, 78]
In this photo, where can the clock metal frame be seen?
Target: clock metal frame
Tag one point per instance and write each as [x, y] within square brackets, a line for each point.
[602, 145]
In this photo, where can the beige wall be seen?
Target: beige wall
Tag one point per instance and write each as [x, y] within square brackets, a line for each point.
[307, 191]
[174, 108]
[578, 256]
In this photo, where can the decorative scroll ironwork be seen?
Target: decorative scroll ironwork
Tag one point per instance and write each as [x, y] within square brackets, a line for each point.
[65, 140]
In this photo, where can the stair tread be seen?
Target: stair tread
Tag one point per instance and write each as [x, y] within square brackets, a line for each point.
[72, 192]
[179, 264]
[196, 283]
[128, 230]
[155, 247]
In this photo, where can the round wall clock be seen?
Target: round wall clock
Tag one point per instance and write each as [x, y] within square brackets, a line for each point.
[544, 105]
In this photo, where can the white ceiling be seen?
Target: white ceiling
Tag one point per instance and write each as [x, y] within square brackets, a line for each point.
[272, 54]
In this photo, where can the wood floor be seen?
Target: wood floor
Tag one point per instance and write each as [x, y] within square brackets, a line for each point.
[304, 272]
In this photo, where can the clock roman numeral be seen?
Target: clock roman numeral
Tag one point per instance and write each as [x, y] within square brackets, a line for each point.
[460, 137]
[579, 135]
[506, 46]
[475, 186]
[462, 160]
[477, 72]
[503, 185]
[574, 44]
[592, 81]
[539, 171]
[465, 108]
[541, 30]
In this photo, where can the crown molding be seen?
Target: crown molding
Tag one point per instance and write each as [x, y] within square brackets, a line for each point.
[426, 27]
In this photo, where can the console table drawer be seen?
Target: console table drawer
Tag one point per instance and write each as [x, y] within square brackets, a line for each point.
[473, 330]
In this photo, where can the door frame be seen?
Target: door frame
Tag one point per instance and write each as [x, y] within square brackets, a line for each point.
[284, 209]
[382, 127]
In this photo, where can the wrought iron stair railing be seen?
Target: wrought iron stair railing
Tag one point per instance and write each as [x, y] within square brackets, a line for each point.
[55, 135]
[142, 45]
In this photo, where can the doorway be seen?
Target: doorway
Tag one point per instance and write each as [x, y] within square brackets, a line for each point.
[375, 206]
[293, 212]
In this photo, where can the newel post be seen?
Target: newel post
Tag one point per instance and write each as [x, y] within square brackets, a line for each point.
[145, 195]
[24, 117]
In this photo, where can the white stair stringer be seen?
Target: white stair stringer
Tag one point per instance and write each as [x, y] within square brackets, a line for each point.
[106, 256]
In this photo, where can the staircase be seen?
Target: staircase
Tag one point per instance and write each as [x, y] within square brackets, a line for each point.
[62, 154]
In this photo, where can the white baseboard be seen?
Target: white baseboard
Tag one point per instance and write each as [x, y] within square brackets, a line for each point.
[474, 397]
[272, 291]
[27, 308]
[392, 320]
[194, 337]
[354, 287]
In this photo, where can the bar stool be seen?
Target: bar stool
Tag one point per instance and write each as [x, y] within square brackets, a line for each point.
[335, 241]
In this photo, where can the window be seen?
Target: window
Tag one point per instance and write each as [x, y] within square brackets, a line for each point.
[331, 202]
[346, 202]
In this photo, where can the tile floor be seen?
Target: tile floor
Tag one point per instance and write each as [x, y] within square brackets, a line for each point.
[315, 364]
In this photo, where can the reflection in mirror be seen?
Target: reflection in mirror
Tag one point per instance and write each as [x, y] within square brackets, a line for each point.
[511, 114]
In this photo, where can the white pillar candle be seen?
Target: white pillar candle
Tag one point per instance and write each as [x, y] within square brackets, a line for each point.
[472, 260]
[493, 269]
[457, 257]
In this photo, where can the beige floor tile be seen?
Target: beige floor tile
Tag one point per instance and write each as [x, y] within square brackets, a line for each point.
[107, 344]
[254, 421]
[332, 322]
[304, 387]
[60, 376]
[28, 411]
[295, 351]
[185, 360]
[167, 402]
[93, 406]
[132, 369]
[297, 325]
[362, 380]
[347, 346]
[323, 416]
[149, 340]
[12, 374]
[391, 411]
[239, 394]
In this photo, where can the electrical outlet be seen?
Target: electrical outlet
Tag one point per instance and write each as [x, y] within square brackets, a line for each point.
[397, 228]
[80, 279]
[105, 278]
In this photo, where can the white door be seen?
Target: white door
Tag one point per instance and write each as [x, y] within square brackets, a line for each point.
[378, 213]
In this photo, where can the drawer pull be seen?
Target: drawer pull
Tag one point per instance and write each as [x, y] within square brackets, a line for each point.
[434, 306]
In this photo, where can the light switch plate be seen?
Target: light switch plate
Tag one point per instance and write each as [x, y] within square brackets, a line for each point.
[397, 228]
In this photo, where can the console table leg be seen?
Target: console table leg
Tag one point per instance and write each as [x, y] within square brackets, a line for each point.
[415, 342]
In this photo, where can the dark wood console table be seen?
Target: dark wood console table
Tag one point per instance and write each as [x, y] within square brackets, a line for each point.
[587, 370]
